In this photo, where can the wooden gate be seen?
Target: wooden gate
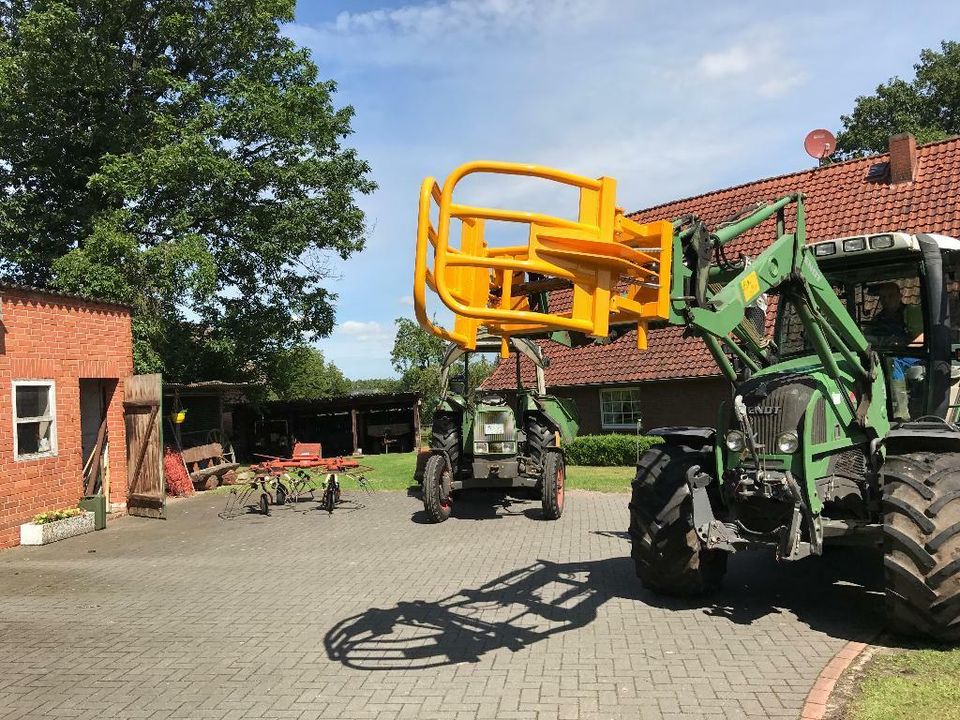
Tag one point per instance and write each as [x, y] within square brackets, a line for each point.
[146, 491]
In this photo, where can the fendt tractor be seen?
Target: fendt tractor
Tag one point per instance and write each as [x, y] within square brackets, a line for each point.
[487, 443]
[841, 426]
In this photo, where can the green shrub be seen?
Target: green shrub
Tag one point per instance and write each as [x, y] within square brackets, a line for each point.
[608, 450]
[54, 515]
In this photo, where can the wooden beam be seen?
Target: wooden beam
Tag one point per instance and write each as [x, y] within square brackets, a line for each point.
[353, 422]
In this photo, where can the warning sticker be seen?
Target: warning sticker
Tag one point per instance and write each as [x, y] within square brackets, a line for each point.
[750, 287]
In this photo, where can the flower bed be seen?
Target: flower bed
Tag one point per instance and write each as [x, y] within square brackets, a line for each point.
[57, 525]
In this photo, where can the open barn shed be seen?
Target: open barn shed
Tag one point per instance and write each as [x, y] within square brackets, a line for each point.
[369, 423]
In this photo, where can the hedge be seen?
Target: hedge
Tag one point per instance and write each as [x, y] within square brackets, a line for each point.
[608, 450]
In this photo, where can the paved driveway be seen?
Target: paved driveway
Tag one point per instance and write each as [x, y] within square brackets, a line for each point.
[374, 614]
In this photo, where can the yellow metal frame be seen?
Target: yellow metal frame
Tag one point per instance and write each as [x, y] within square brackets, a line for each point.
[619, 269]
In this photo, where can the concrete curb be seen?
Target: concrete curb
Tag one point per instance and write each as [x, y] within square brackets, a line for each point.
[815, 706]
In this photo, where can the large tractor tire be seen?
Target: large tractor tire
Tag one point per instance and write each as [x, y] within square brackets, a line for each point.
[436, 489]
[540, 437]
[666, 550]
[446, 437]
[921, 525]
[552, 484]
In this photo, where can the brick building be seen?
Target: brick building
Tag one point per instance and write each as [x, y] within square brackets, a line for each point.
[63, 361]
[675, 382]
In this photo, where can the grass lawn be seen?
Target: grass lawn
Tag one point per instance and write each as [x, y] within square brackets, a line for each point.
[910, 685]
[395, 472]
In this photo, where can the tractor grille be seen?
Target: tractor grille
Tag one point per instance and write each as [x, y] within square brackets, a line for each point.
[818, 423]
[775, 406]
[494, 419]
[850, 463]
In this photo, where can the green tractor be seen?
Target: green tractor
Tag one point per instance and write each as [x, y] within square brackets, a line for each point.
[842, 429]
[842, 426]
[489, 443]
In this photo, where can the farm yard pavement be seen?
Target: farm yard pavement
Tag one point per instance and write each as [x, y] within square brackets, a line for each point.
[373, 614]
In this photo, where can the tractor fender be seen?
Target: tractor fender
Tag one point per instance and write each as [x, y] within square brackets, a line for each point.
[923, 435]
[546, 421]
[698, 438]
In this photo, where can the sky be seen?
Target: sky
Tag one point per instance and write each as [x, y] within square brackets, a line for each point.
[672, 99]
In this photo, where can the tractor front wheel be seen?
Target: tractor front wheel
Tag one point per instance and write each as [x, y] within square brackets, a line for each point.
[436, 489]
[551, 484]
[921, 527]
[446, 437]
[666, 549]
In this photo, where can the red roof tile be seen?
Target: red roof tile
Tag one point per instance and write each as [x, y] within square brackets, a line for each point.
[839, 201]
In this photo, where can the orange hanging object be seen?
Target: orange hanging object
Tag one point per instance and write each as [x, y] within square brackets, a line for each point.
[616, 269]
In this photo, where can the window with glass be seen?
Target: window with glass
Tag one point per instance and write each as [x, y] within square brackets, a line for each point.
[620, 408]
[34, 419]
[887, 305]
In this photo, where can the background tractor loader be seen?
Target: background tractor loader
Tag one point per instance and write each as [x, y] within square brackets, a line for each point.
[489, 442]
[841, 427]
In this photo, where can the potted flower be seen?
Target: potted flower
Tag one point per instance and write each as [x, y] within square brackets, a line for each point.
[48, 527]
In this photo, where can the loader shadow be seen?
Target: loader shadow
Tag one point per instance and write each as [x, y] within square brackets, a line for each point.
[536, 602]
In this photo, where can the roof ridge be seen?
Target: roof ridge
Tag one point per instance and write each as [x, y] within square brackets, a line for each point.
[795, 173]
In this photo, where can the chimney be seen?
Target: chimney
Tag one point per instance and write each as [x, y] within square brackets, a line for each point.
[903, 158]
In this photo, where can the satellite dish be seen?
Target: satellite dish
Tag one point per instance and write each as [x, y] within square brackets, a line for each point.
[819, 143]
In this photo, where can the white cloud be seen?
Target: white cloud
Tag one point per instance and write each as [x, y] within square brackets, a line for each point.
[370, 332]
[407, 300]
[463, 17]
[759, 60]
[736, 60]
[438, 33]
[360, 348]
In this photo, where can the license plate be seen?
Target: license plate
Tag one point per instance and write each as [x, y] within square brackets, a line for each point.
[493, 429]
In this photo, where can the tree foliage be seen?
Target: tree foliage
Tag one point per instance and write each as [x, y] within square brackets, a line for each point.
[928, 106]
[375, 385]
[301, 373]
[181, 156]
[418, 356]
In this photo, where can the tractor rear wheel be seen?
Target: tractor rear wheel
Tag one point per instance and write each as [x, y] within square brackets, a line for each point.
[446, 438]
[551, 485]
[666, 550]
[436, 489]
[921, 526]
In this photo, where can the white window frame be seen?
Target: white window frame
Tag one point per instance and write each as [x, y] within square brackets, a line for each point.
[51, 386]
[635, 401]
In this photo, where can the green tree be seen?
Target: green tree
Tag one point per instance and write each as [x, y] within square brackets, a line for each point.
[928, 106]
[375, 385]
[301, 373]
[181, 156]
[417, 356]
[414, 347]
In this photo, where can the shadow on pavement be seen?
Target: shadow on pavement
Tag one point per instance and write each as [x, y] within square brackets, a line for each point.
[482, 505]
[837, 595]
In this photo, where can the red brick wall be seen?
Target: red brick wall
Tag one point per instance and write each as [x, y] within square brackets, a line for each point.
[692, 401]
[47, 337]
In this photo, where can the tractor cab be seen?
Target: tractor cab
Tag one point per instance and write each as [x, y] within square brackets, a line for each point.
[901, 290]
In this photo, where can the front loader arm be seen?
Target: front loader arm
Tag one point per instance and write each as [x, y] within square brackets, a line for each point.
[785, 265]
[619, 273]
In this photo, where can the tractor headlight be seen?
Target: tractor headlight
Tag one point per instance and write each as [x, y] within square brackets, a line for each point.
[502, 448]
[788, 442]
[480, 448]
[734, 441]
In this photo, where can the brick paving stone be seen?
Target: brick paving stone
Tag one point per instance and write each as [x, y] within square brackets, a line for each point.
[376, 615]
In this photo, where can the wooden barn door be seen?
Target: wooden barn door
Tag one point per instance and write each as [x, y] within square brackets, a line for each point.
[146, 492]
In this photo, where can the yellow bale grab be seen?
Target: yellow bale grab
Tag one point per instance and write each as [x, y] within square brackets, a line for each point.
[616, 269]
